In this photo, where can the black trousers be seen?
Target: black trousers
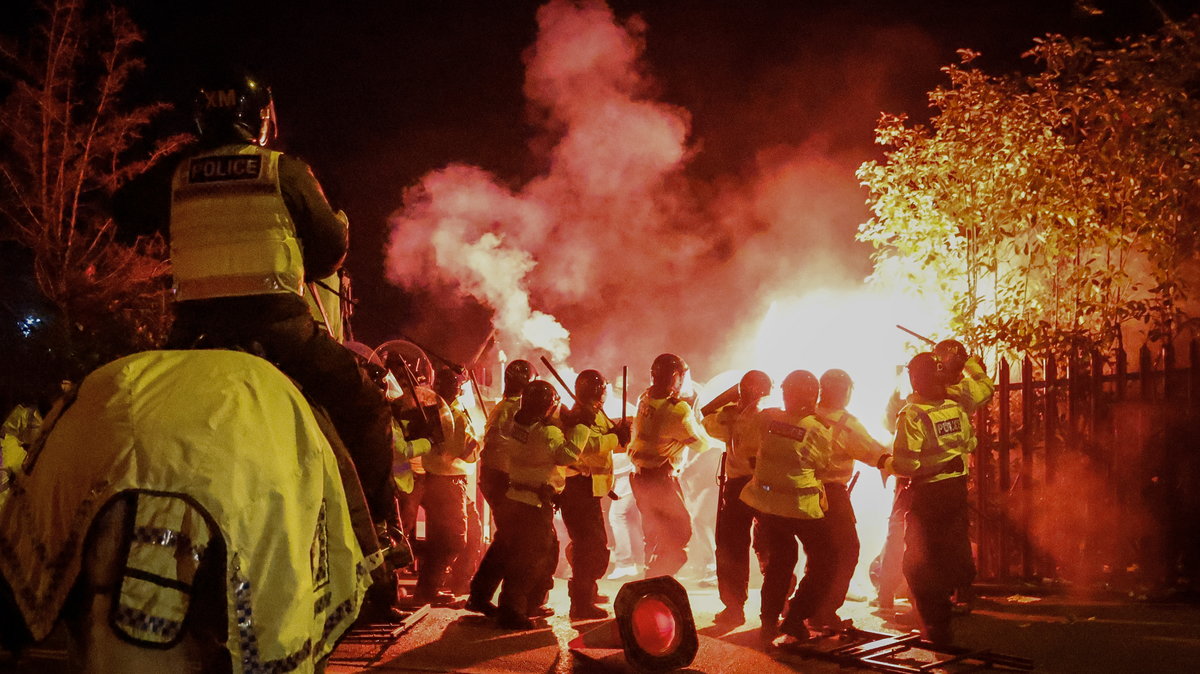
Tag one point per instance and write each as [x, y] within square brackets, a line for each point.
[843, 537]
[445, 503]
[779, 536]
[532, 555]
[494, 485]
[583, 515]
[282, 329]
[666, 524]
[735, 523]
[937, 551]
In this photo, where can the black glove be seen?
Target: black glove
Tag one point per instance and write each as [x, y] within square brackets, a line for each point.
[623, 430]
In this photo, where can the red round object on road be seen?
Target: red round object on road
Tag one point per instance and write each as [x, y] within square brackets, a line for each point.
[654, 626]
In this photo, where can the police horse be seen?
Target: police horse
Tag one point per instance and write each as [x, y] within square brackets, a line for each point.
[184, 512]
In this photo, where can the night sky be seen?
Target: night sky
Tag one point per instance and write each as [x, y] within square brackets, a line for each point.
[376, 95]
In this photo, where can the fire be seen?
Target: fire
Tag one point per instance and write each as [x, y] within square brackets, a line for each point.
[853, 330]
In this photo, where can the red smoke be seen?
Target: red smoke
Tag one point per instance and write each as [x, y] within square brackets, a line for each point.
[614, 244]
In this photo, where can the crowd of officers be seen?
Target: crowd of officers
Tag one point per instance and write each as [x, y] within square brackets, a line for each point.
[253, 238]
[785, 482]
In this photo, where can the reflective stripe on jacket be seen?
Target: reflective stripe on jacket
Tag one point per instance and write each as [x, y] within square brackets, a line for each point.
[791, 449]
[930, 435]
[231, 232]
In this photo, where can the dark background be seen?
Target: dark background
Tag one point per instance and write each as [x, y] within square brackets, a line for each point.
[376, 94]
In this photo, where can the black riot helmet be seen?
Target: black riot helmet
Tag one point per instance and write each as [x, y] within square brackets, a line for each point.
[925, 375]
[952, 356]
[234, 106]
[516, 376]
[666, 372]
[800, 391]
[537, 401]
[590, 389]
[836, 386]
[448, 383]
[753, 387]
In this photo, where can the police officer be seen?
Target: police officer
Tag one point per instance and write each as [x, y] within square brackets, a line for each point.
[663, 428]
[588, 481]
[849, 441]
[933, 439]
[445, 499]
[538, 456]
[967, 381]
[785, 490]
[736, 423]
[493, 482]
[248, 226]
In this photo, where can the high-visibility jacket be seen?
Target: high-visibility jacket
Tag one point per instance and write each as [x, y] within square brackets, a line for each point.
[404, 453]
[538, 458]
[596, 454]
[216, 442]
[495, 443]
[460, 448]
[231, 232]
[662, 429]
[849, 440]
[325, 305]
[792, 448]
[933, 438]
[738, 429]
[975, 389]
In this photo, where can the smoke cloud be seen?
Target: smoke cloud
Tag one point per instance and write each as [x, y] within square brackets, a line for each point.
[616, 251]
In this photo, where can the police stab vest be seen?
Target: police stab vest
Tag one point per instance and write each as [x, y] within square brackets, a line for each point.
[947, 436]
[231, 233]
[785, 483]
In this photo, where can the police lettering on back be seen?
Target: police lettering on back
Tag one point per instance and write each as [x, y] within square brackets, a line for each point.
[948, 426]
[227, 167]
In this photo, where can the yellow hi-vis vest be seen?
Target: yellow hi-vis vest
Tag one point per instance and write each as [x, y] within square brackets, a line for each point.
[975, 389]
[596, 454]
[538, 460]
[495, 441]
[791, 450]
[738, 429]
[662, 429]
[930, 435]
[849, 440]
[231, 233]
[218, 437]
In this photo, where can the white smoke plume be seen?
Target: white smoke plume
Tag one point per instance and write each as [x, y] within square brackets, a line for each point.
[614, 242]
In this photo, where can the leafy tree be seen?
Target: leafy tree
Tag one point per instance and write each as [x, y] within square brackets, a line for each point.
[1050, 210]
[71, 141]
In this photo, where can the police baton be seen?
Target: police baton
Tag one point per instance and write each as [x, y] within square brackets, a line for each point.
[917, 335]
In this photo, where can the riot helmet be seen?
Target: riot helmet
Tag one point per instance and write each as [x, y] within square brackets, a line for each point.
[516, 376]
[925, 374]
[590, 389]
[753, 387]
[233, 106]
[800, 391]
[666, 372]
[448, 383]
[952, 356]
[836, 386]
[537, 401]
